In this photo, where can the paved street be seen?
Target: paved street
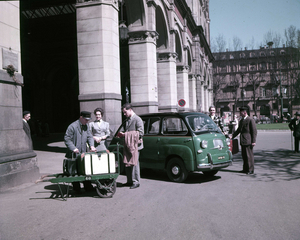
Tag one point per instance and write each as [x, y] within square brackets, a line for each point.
[228, 206]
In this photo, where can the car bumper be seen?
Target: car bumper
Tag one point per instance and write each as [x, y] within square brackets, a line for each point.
[211, 165]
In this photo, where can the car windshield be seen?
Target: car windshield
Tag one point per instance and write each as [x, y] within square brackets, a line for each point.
[202, 123]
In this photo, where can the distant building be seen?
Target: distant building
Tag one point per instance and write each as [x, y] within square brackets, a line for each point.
[265, 80]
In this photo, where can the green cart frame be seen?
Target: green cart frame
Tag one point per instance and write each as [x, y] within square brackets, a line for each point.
[106, 183]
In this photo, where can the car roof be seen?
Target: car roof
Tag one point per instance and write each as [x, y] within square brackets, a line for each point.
[175, 114]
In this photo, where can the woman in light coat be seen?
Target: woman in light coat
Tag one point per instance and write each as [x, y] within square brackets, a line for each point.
[99, 130]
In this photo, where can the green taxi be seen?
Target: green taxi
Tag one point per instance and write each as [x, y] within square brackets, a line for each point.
[181, 143]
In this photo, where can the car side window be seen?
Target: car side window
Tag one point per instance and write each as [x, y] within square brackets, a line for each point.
[145, 122]
[174, 126]
[153, 126]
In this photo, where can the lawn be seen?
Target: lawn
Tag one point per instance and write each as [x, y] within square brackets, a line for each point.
[272, 126]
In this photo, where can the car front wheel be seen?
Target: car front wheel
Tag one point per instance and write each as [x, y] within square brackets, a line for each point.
[176, 170]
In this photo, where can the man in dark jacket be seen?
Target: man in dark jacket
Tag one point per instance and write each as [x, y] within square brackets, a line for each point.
[248, 133]
[294, 125]
[26, 127]
[76, 138]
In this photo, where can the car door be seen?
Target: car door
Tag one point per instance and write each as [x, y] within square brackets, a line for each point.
[149, 155]
[176, 140]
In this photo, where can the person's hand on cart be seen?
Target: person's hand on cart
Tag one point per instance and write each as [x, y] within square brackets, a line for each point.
[93, 149]
[76, 150]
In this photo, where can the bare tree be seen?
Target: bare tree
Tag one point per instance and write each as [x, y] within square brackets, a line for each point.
[268, 37]
[229, 45]
[274, 37]
[290, 35]
[221, 43]
[277, 40]
[237, 43]
[298, 38]
[213, 45]
[252, 43]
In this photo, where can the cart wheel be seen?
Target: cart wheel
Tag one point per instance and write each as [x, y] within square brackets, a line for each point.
[107, 188]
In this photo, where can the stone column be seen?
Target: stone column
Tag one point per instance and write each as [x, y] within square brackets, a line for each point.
[18, 161]
[143, 71]
[192, 92]
[99, 58]
[167, 82]
[200, 93]
[206, 98]
[183, 86]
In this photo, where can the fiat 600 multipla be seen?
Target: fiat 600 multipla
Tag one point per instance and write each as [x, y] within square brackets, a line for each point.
[181, 143]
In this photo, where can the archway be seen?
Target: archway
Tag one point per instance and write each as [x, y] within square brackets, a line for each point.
[49, 62]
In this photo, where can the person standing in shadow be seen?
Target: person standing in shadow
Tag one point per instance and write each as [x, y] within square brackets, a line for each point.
[26, 127]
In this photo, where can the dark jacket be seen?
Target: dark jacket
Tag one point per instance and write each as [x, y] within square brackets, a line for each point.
[247, 131]
[76, 137]
[26, 128]
[295, 127]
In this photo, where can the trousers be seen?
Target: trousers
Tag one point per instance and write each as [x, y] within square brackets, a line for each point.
[133, 172]
[248, 158]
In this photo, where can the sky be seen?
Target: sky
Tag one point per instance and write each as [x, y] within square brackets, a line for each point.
[252, 18]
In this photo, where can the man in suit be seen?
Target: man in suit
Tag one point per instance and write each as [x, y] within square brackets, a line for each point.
[248, 133]
[133, 123]
[26, 127]
[294, 125]
[76, 138]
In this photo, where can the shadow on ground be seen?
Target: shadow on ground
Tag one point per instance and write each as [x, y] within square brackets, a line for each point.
[44, 143]
[53, 191]
[281, 164]
[161, 175]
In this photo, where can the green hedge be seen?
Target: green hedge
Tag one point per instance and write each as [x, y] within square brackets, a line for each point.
[272, 126]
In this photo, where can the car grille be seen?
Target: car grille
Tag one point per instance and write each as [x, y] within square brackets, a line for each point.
[218, 143]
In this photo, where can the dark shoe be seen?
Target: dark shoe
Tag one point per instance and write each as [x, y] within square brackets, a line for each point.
[126, 184]
[243, 171]
[250, 173]
[136, 185]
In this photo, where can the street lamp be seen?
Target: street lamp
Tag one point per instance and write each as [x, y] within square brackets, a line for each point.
[123, 30]
[281, 98]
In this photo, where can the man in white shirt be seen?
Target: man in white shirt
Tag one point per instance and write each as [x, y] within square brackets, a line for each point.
[215, 118]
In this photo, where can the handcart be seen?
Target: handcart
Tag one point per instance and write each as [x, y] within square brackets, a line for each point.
[105, 183]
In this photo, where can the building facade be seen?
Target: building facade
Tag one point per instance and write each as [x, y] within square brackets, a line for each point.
[264, 80]
[18, 162]
[79, 55]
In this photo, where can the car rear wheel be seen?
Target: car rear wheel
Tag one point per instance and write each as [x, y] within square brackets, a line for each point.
[176, 170]
[210, 173]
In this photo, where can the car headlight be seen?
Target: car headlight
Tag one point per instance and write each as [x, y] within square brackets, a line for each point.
[204, 144]
[228, 141]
